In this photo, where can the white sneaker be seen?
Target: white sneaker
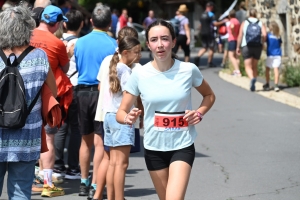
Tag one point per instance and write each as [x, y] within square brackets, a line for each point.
[276, 89]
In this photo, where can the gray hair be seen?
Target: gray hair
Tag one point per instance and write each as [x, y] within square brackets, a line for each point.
[16, 27]
[101, 16]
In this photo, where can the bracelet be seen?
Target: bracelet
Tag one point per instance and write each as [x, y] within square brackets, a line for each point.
[199, 115]
[125, 119]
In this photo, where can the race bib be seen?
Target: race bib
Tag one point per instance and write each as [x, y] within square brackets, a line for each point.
[170, 121]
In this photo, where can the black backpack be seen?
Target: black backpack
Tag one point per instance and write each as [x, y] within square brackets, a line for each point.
[176, 25]
[253, 34]
[13, 106]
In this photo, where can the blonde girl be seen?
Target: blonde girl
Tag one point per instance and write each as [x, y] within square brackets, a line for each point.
[274, 55]
[119, 137]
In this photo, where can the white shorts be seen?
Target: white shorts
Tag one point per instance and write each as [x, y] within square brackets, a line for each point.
[273, 61]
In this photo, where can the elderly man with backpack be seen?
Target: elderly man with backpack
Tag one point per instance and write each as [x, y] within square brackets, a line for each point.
[251, 37]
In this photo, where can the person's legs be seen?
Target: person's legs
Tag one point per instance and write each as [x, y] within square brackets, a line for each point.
[59, 141]
[48, 158]
[235, 62]
[210, 55]
[179, 174]
[185, 47]
[110, 175]
[254, 67]
[87, 98]
[98, 155]
[267, 74]
[87, 142]
[160, 182]
[276, 75]
[248, 67]
[101, 176]
[225, 55]
[19, 180]
[204, 40]
[3, 167]
[121, 165]
[75, 137]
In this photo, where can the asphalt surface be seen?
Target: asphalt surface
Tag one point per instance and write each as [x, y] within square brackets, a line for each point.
[247, 149]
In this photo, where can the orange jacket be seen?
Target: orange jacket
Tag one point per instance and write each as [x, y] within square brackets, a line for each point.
[51, 114]
[64, 91]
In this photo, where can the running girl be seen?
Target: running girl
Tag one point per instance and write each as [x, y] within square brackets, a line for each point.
[165, 86]
[274, 55]
[117, 136]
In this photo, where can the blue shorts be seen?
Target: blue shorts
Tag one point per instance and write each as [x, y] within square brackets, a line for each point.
[232, 45]
[116, 134]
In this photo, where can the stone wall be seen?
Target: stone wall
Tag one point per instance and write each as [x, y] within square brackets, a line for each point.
[287, 14]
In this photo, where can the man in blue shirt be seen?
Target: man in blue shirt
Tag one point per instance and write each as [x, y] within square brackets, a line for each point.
[114, 22]
[89, 52]
[207, 24]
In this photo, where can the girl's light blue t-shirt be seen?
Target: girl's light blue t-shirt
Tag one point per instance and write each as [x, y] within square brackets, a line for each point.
[168, 91]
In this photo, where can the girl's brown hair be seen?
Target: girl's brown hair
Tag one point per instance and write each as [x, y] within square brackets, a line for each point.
[274, 28]
[127, 31]
[126, 43]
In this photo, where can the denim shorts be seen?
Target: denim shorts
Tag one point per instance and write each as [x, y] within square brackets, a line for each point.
[117, 134]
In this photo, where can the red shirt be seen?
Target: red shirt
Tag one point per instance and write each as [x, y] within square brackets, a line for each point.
[123, 21]
[236, 29]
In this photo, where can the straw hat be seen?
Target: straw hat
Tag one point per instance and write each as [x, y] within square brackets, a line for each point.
[183, 8]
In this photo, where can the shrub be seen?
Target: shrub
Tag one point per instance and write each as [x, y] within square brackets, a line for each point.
[291, 75]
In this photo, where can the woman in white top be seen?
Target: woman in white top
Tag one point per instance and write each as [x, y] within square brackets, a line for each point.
[251, 37]
[165, 86]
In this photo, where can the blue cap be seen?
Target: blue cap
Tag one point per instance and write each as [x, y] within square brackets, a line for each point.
[53, 14]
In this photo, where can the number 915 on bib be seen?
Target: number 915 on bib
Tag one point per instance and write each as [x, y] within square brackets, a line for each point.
[170, 121]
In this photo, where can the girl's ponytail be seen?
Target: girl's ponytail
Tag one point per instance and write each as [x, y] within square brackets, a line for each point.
[114, 82]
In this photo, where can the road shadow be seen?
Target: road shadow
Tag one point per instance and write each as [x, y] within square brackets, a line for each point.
[139, 192]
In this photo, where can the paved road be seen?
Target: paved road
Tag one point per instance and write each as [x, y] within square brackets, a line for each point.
[247, 149]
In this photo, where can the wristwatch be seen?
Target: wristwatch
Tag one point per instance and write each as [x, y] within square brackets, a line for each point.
[199, 115]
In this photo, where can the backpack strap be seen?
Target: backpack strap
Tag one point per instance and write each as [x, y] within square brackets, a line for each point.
[3, 56]
[252, 22]
[68, 39]
[24, 53]
[16, 61]
[34, 101]
[7, 60]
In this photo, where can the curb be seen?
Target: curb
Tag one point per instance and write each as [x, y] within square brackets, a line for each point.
[244, 82]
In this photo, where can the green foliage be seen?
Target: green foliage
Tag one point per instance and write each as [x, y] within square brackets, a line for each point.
[242, 66]
[291, 75]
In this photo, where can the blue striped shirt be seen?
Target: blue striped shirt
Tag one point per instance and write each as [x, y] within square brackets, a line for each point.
[25, 144]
